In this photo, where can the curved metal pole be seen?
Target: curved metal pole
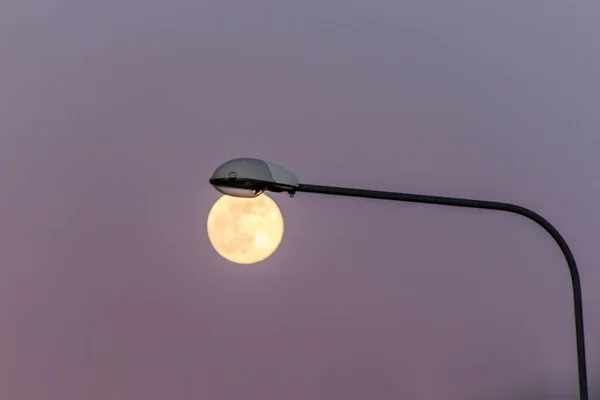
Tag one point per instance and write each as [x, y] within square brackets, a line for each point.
[487, 205]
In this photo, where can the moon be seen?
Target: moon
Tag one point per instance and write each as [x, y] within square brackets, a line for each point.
[245, 230]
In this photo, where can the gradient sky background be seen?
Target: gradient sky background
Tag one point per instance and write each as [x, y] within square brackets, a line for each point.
[113, 115]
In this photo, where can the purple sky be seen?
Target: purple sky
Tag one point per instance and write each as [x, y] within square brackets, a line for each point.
[113, 115]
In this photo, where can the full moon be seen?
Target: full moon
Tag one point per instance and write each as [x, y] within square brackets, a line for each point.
[245, 230]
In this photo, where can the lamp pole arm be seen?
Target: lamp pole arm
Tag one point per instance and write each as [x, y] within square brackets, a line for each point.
[487, 205]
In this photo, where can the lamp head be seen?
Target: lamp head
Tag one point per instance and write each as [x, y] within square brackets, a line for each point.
[250, 177]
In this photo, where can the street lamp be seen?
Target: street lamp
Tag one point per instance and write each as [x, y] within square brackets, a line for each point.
[250, 177]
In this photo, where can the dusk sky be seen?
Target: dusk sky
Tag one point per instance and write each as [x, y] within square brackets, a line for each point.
[114, 114]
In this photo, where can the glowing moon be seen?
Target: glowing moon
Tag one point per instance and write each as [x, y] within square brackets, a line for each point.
[245, 230]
